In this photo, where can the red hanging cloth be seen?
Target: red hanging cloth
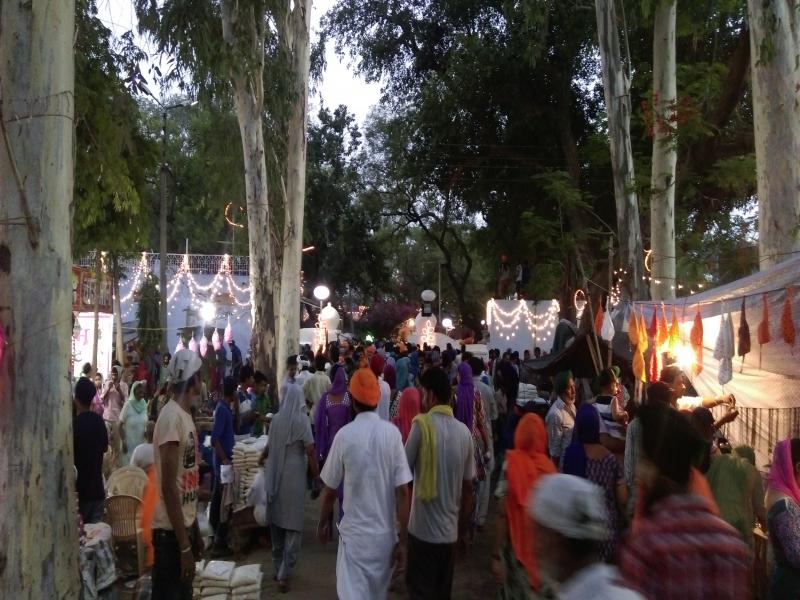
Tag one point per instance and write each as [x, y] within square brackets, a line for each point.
[763, 328]
[787, 322]
[696, 340]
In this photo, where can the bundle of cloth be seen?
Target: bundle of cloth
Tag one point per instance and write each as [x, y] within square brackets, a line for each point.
[215, 580]
[246, 583]
[245, 462]
[197, 585]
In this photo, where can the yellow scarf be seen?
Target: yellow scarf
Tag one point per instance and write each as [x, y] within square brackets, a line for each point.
[425, 488]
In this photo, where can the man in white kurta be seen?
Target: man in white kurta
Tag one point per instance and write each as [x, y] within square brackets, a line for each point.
[368, 455]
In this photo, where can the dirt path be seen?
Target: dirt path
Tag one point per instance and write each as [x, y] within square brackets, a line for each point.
[314, 577]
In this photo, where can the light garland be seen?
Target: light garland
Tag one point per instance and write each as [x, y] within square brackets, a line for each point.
[428, 334]
[228, 218]
[675, 287]
[540, 326]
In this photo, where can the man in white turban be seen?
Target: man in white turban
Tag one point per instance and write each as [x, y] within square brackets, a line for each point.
[571, 521]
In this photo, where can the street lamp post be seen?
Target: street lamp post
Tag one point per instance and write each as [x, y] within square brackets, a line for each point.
[321, 293]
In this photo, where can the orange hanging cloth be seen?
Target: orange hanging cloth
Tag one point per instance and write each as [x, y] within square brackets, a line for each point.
[663, 329]
[652, 331]
[655, 364]
[763, 329]
[787, 322]
[598, 319]
[696, 340]
[674, 333]
[642, 331]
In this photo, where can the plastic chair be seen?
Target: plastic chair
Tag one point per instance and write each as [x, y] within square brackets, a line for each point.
[127, 481]
[123, 515]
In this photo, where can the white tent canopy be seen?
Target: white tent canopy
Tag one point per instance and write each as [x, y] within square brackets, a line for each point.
[768, 396]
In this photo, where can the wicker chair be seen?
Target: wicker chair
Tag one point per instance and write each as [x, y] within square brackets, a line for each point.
[127, 481]
[123, 515]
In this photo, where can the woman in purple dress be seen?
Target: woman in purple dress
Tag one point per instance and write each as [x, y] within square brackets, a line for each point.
[587, 458]
[333, 413]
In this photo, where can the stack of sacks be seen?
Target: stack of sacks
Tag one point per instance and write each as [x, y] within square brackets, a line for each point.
[245, 461]
[198, 577]
[215, 583]
[246, 583]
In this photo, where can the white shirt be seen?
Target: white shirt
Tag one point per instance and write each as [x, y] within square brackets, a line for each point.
[598, 582]
[386, 398]
[560, 421]
[143, 456]
[302, 377]
[368, 455]
[314, 388]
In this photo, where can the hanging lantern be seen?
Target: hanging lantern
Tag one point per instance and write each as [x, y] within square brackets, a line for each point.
[193, 345]
[203, 346]
[215, 340]
[228, 337]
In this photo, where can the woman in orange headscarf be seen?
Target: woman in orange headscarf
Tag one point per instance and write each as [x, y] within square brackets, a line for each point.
[513, 564]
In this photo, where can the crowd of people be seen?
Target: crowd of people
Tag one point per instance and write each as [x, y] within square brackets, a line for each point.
[597, 493]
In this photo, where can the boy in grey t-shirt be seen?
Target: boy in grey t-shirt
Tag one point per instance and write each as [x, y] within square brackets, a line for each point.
[443, 490]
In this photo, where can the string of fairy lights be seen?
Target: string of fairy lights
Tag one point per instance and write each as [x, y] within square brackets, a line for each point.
[222, 287]
[507, 322]
[675, 285]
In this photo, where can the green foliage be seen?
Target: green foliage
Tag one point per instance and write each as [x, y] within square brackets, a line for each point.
[205, 174]
[147, 316]
[337, 223]
[112, 156]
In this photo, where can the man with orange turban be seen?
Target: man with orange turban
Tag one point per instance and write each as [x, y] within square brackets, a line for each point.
[368, 456]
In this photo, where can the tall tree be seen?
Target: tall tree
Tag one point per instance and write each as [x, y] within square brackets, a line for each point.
[112, 154]
[229, 48]
[775, 48]
[345, 258]
[296, 37]
[616, 90]
[244, 27]
[665, 152]
[37, 485]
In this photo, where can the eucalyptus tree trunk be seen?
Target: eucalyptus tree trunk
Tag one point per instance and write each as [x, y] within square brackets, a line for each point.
[96, 322]
[243, 31]
[38, 522]
[775, 47]
[665, 154]
[616, 88]
[119, 343]
[297, 38]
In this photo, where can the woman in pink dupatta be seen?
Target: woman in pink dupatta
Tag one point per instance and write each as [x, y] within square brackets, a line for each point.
[409, 406]
[783, 519]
